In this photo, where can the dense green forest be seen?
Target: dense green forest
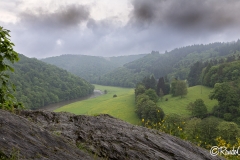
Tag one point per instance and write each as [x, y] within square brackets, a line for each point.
[220, 127]
[90, 67]
[39, 84]
[223, 75]
[127, 71]
[174, 64]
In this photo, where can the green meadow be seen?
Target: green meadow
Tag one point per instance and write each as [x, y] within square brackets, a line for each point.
[123, 106]
[178, 105]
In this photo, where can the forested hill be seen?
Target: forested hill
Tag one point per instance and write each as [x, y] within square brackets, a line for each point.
[175, 64]
[90, 67]
[39, 84]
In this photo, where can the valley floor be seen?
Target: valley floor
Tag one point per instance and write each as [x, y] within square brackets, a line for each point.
[123, 106]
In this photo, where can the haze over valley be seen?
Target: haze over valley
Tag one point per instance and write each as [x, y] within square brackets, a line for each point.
[136, 79]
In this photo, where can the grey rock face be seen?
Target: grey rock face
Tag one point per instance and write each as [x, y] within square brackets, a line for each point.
[70, 136]
[25, 140]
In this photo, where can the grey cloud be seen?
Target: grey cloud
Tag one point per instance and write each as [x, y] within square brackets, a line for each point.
[103, 27]
[187, 14]
[66, 16]
[144, 12]
[153, 25]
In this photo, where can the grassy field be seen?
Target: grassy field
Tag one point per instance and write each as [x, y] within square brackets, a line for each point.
[122, 106]
[178, 105]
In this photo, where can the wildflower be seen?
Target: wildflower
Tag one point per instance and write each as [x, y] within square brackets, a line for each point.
[143, 120]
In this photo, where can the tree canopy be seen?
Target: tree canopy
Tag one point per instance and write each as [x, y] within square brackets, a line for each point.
[182, 63]
[227, 95]
[90, 68]
[199, 108]
[39, 84]
[146, 107]
[178, 88]
[7, 55]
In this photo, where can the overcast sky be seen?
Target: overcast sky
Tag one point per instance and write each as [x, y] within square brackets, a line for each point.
[45, 28]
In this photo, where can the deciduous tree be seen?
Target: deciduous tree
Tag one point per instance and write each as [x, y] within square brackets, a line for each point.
[7, 54]
[152, 95]
[178, 88]
[199, 109]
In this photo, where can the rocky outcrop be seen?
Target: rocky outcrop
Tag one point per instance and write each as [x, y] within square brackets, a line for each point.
[22, 139]
[49, 135]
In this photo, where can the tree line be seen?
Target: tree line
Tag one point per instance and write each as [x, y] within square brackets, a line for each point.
[32, 83]
[210, 72]
[39, 84]
[223, 76]
[91, 68]
[174, 64]
[148, 93]
[205, 129]
[146, 99]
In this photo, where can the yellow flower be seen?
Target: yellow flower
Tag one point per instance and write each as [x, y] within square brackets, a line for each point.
[143, 120]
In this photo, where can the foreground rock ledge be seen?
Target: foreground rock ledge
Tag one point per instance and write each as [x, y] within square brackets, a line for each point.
[49, 135]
